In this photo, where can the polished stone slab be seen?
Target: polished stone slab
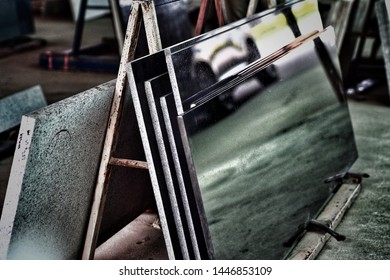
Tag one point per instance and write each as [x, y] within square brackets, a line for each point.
[13, 107]
[155, 89]
[171, 130]
[161, 173]
[382, 13]
[155, 146]
[52, 180]
[167, 198]
[270, 155]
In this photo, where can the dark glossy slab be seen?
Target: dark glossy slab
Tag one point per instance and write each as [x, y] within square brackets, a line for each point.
[166, 174]
[171, 129]
[165, 177]
[261, 165]
[382, 10]
[156, 87]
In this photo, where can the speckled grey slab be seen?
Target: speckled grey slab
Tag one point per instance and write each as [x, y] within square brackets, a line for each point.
[52, 180]
[13, 107]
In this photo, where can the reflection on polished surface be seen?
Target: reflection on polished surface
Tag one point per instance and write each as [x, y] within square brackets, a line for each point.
[261, 167]
[226, 53]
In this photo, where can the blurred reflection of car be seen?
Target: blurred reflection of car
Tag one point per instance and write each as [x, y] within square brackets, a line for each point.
[215, 61]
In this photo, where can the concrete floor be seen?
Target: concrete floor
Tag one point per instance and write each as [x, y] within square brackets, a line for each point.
[366, 224]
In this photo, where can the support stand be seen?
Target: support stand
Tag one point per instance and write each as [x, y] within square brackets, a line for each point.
[141, 10]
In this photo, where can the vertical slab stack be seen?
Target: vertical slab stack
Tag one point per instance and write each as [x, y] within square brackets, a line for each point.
[241, 127]
[382, 10]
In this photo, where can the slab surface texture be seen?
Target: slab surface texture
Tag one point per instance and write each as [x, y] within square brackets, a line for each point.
[51, 182]
[254, 195]
[384, 31]
[13, 107]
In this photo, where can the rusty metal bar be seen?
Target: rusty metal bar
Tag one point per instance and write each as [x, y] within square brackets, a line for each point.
[219, 11]
[203, 12]
[128, 163]
[204, 6]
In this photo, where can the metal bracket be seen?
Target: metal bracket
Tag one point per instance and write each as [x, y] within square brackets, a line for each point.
[354, 178]
[313, 226]
[324, 225]
[311, 236]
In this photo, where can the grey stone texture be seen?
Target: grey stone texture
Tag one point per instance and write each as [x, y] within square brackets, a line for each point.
[13, 107]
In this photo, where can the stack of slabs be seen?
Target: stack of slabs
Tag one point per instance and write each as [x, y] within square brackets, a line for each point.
[241, 127]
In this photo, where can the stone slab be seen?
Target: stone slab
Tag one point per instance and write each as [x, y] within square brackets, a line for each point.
[383, 17]
[155, 89]
[13, 107]
[222, 54]
[166, 198]
[241, 160]
[16, 19]
[50, 190]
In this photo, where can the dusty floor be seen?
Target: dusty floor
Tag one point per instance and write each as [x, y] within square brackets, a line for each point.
[366, 224]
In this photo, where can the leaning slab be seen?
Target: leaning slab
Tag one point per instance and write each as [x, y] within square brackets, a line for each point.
[382, 9]
[13, 107]
[52, 180]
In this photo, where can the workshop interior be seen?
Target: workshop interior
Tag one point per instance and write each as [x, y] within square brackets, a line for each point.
[194, 129]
